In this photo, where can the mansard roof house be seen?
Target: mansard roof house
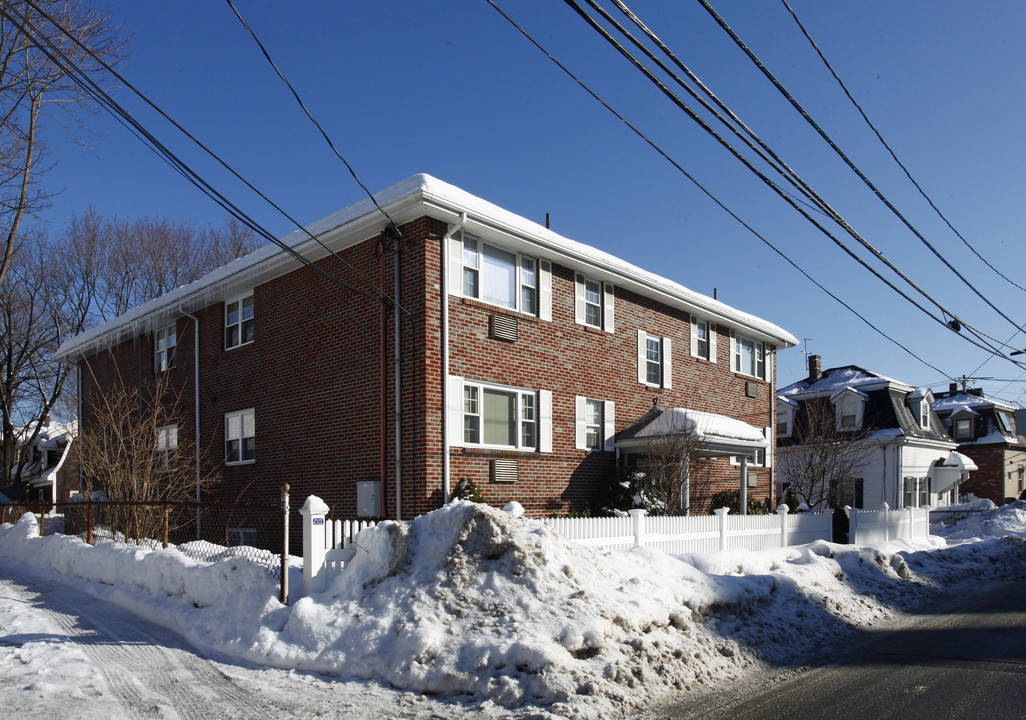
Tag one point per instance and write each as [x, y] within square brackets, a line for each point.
[985, 431]
[477, 345]
[906, 457]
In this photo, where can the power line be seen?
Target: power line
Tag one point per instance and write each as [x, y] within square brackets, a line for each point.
[840, 153]
[955, 323]
[891, 151]
[702, 188]
[309, 115]
[79, 76]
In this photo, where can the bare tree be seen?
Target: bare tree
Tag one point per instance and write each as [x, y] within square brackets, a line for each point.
[37, 50]
[822, 461]
[132, 261]
[131, 450]
[41, 304]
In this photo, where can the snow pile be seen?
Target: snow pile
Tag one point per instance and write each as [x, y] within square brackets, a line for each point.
[473, 603]
[986, 522]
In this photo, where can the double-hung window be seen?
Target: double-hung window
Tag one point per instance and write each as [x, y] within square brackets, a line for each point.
[593, 303]
[654, 360]
[500, 417]
[164, 354]
[499, 277]
[703, 339]
[963, 428]
[594, 423]
[238, 322]
[166, 446]
[848, 414]
[240, 437]
[749, 357]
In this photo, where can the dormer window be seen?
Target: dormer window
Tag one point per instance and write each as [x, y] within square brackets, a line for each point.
[962, 428]
[1005, 420]
[849, 405]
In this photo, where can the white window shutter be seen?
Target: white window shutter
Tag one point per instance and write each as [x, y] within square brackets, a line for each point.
[733, 351]
[545, 418]
[456, 266]
[454, 410]
[771, 359]
[580, 310]
[609, 420]
[642, 377]
[608, 300]
[694, 336]
[667, 363]
[712, 342]
[545, 290]
[580, 428]
[768, 432]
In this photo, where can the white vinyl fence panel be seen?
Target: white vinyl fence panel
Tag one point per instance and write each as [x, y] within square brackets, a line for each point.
[866, 527]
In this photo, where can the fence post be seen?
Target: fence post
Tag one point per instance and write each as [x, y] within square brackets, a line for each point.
[283, 594]
[782, 514]
[167, 511]
[721, 513]
[89, 519]
[638, 523]
[313, 512]
[887, 520]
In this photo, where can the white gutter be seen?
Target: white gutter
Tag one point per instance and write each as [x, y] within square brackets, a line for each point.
[446, 470]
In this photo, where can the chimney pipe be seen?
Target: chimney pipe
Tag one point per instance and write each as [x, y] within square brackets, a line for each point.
[952, 388]
[815, 368]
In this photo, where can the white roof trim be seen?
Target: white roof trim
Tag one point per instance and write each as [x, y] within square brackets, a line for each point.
[417, 195]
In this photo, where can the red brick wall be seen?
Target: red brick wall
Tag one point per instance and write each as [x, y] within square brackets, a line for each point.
[312, 373]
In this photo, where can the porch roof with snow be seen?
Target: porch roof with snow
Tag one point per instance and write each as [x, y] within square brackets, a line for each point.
[714, 435]
[417, 196]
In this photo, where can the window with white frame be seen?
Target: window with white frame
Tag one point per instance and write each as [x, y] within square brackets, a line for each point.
[500, 277]
[924, 415]
[594, 423]
[749, 357]
[916, 492]
[240, 437]
[703, 339]
[497, 416]
[760, 456]
[654, 360]
[238, 322]
[847, 413]
[784, 422]
[167, 341]
[166, 445]
[593, 303]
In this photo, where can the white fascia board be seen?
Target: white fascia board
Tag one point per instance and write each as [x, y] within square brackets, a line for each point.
[417, 195]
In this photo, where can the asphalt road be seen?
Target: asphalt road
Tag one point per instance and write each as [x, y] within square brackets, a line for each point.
[963, 660]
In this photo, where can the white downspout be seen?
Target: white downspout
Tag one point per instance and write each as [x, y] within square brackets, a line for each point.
[445, 353]
[196, 404]
[398, 392]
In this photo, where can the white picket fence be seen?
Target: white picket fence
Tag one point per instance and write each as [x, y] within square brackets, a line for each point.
[327, 544]
[696, 533]
[866, 527]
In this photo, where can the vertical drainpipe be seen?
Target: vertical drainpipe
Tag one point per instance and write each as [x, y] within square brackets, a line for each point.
[398, 393]
[444, 294]
[196, 404]
[382, 387]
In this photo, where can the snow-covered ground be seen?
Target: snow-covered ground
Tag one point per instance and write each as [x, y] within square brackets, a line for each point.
[469, 610]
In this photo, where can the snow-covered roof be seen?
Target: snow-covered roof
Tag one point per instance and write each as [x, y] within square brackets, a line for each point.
[414, 197]
[958, 401]
[834, 379]
[708, 426]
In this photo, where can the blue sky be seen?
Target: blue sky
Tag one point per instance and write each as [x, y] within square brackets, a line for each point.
[453, 90]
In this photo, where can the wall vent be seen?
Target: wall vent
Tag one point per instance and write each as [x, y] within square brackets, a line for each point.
[751, 389]
[504, 471]
[503, 327]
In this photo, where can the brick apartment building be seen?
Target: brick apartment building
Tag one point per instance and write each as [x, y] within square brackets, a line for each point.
[985, 431]
[479, 345]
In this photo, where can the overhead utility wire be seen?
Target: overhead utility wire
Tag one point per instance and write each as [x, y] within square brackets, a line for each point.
[309, 115]
[891, 151]
[835, 216]
[705, 190]
[847, 161]
[109, 103]
[956, 323]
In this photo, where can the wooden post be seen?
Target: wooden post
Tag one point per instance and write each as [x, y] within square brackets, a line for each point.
[166, 512]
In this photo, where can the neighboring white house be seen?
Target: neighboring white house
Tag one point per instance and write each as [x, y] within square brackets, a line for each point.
[907, 455]
[51, 472]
